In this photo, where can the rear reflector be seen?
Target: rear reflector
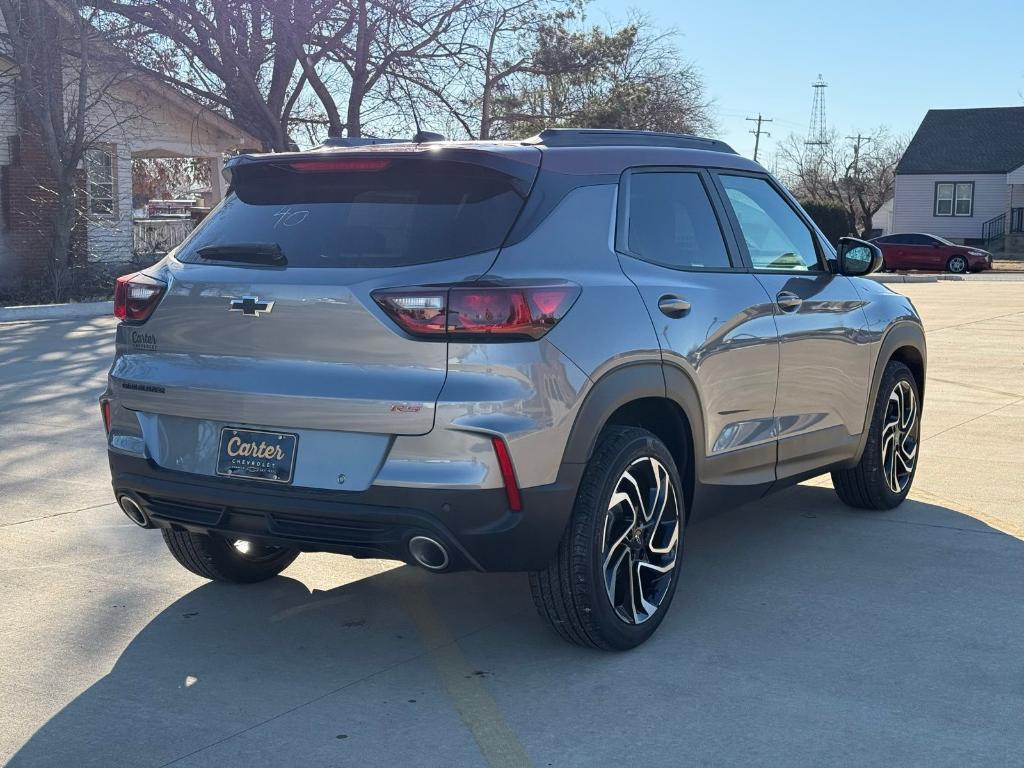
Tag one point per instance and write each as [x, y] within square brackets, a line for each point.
[136, 296]
[508, 474]
[329, 166]
[474, 313]
[105, 412]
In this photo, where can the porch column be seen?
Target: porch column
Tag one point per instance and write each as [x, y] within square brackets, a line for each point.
[217, 185]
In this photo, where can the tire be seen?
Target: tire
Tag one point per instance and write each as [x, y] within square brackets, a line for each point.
[957, 265]
[218, 559]
[570, 594]
[885, 473]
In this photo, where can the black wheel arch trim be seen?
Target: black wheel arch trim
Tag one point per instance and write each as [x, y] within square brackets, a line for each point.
[626, 384]
[904, 334]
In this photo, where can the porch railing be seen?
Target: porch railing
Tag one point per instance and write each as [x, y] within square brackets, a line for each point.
[994, 228]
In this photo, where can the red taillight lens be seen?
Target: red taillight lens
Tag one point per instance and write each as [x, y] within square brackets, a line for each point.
[105, 412]
[512, 313]
[352, 164]
[508, 474]
[136, 296]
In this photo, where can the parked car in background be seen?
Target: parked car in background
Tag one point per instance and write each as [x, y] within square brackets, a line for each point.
[920, 251]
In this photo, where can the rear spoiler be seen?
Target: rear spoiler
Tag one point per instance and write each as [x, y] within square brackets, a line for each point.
[519, 162]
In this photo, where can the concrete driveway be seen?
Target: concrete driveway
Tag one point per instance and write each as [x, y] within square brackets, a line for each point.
[804, 633]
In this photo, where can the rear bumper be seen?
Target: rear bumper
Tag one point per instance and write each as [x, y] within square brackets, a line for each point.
[476, 525]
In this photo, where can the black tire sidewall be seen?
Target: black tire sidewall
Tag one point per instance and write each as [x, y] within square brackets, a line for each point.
[616, 632]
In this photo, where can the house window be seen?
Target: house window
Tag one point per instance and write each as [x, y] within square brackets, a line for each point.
[954, 198]
[99, 173]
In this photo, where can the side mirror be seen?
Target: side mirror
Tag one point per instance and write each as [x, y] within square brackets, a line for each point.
[858, 257]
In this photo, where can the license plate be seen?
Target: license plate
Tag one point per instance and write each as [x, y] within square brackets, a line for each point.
[255, 455]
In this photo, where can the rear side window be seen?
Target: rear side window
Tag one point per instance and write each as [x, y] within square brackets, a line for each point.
[917, 240]
[672, 223]
[386, 213]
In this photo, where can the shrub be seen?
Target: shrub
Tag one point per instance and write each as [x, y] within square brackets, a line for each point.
[832, 220]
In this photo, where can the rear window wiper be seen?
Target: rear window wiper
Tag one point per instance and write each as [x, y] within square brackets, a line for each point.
[247, 253]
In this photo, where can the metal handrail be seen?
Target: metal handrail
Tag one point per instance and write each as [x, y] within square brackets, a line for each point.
[994, 228]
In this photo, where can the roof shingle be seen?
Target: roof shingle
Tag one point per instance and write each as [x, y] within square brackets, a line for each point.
[989, 140]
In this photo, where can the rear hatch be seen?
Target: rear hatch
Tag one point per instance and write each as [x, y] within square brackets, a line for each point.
[268, 319]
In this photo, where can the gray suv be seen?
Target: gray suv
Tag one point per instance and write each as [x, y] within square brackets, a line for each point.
[544, 356]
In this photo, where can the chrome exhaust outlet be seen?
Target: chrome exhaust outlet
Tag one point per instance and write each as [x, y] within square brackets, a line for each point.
[429, 553]
[134, 512]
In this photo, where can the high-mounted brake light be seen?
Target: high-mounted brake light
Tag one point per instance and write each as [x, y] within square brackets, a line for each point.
[348, 164]
[472, 313]
[136, 296]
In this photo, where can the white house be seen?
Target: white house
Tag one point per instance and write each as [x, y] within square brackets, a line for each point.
[962, 177]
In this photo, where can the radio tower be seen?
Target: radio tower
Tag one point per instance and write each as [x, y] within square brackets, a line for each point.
[817, 135]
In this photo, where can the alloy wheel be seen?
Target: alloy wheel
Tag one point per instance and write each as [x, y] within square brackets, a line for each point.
[957, 264]
[641, 540]
[900, 433]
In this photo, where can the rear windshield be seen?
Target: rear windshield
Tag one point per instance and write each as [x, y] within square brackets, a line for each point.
[409, 211]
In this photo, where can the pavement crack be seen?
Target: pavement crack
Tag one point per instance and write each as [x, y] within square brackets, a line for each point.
[57, 514]
[979, 416]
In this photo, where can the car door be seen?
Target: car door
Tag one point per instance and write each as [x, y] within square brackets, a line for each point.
[824, 356]
[922, 252]
[892, 252]
[713, 318]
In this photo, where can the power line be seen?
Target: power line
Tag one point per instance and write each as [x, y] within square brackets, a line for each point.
[757, 131]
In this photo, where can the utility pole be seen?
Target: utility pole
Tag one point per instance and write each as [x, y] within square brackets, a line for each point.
[757, 131]
[857, 141]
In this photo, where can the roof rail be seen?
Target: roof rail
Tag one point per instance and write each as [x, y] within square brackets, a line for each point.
[606, 137]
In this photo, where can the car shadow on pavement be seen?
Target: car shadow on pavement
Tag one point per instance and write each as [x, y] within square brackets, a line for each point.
[802, 632]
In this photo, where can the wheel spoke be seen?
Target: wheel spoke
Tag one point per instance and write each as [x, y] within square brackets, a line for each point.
[641, 538]
[899, 436]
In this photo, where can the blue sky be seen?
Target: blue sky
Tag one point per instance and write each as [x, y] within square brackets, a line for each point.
[886, 63]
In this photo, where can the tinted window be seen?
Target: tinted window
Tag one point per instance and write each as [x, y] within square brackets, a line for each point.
[407, 212]
[890, 240]
[918, 240]
[775, 235]
[671, 222]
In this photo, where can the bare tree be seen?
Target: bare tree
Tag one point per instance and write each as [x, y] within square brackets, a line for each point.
[859, 176]
[392, 39]
[240, 56]
[60, 76]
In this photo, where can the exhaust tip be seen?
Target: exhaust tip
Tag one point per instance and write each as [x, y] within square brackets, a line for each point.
[429, 553]
[133, 511]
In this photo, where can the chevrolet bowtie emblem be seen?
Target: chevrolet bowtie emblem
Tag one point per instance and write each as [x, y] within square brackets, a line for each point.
[251, 306]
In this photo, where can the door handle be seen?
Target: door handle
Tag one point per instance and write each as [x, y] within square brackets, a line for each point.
[787, 301]
[673, 306]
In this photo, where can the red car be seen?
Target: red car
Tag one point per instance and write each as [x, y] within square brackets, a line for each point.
[930, 252]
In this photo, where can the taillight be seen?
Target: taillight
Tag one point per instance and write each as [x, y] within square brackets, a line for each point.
[105, 412]
[136, 296]
[479, 313]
